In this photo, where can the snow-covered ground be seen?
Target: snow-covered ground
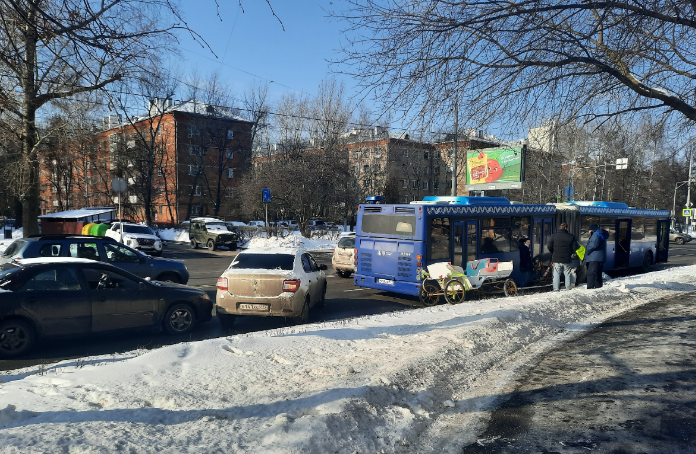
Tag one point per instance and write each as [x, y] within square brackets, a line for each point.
[178, 235]
[293, 240]
[16, 233]
[420, 380]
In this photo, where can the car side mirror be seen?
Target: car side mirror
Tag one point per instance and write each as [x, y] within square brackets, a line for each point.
[323, 267]
[141, 286]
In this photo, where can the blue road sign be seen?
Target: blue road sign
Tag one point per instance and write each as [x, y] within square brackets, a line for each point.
[686, 213]
[569, 192]
[266, 194]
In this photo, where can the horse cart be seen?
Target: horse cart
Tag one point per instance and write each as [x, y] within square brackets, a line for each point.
[481, 277]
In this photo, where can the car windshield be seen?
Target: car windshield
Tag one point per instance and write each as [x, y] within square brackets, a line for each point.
[143, 229]
[6, 271]
[347, 242]
[264, 261]
[14, 248]
[216, 225]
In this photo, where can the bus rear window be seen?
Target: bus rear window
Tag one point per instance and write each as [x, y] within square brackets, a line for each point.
[387, 224]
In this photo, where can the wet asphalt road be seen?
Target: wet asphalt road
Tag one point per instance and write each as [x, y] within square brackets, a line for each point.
[628, 386]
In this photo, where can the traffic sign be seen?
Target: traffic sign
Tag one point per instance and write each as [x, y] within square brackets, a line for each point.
[119, 185]
[686, 212]
[266, 194]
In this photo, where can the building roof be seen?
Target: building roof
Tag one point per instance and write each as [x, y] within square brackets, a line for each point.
[81, 213]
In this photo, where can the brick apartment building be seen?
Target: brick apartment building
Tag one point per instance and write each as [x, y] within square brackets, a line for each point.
[180, 160]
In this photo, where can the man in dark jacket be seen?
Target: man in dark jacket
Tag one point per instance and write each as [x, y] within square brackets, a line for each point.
[526, 265]
[562, 246]
[596, 255]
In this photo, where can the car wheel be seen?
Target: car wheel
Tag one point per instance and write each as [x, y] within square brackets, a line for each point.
[169, 277]
[211, 245]
[304, 315]
[194, 244]
[322, 301]
[226, 320]
[179, 319]
[679, 241]
[16, 337]
[340, 273]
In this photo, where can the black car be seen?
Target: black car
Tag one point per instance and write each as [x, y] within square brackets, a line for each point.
[99, 248]
[65, 296]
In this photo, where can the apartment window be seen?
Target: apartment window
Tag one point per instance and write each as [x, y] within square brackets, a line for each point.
[426, 185]
[196, 210]
[228, 193]
[193, 131]
[159, 150]
[405, 154]
[404, 184]
[196, 191]
[194, 150]
[426, 155]
[414, 184]
[159, 130]
[436, 185]
[229, 153]
[194, 169]
[88, 165]
[54, 189]
[366, 168]
[426, 171]
[160, 172]
[449, 184]
[230, 134]
[230, 173]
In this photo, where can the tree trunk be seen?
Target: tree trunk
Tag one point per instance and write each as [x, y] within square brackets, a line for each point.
[30, 198]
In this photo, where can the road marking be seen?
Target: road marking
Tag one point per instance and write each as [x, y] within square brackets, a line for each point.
[355, 290]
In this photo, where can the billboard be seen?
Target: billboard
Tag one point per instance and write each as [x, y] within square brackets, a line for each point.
[495, 168]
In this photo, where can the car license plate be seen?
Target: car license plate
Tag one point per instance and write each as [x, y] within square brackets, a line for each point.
[253, 307]
[385, 281]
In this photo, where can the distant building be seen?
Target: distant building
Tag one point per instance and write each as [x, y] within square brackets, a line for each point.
[181, 160]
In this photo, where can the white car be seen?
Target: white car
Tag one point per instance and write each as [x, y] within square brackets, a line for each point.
[137, 236]
[257, 223]
[267, 282]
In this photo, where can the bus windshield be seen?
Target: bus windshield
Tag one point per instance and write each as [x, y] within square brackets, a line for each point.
[387, 224]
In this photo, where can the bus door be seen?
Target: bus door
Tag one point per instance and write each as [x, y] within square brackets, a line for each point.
[465, 242]
[622, 249]
[662, 241]
[541, 233]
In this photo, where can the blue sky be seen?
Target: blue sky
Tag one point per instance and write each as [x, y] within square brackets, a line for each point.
[252, 47]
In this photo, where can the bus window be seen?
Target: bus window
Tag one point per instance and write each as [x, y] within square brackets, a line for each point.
[537, 238]
[548, 230]
[439, 239]
[471, 241]
[458, 240]
[389, 224]
[495, 240]
[585, 226]
[609, 224]
[520, 228]
[637, 231]
[650, 228]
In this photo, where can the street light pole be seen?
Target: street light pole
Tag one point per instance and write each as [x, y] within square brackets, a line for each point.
[677, 185]
[688, 191]
[454, 158]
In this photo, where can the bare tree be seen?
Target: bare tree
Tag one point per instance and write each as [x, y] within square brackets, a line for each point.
[56, 49]
[531, 59]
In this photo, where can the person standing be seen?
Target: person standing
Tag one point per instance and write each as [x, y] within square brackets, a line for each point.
[526, 265]
[596, 255]
[562, 246]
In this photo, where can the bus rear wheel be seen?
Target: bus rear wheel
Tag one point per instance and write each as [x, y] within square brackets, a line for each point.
[647, 262]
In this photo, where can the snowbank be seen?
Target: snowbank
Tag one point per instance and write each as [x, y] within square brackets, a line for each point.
[413, 381]
[178, 235]
[293, 240]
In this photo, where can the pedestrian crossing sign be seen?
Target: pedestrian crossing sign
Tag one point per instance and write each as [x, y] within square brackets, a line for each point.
[686, 213]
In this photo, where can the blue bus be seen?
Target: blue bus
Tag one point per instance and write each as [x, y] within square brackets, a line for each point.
[395, 242]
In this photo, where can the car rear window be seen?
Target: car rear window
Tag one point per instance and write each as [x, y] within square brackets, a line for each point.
[14, 248]
[264, 261]
[346, 242]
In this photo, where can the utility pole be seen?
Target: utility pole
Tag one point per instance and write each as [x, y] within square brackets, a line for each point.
[688, 190]
[454, 158]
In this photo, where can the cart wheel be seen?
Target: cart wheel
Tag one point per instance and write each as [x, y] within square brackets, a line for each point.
[455, 292]
[510, 288]
[430, 293]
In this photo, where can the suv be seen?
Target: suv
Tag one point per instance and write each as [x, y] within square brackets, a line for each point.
[342, 258]
[97, 248]
[679, 238]
[137, 236]
[317, 224]
[211, 233]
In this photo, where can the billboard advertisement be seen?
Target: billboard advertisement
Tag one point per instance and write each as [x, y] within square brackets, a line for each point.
[495, 168]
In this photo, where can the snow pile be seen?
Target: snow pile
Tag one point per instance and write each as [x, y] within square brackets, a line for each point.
[413, 381]
[293, 240]
[178, 235]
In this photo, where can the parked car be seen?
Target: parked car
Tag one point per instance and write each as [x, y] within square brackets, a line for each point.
[47, 297]
[99, 248]
[679, 238]
[211, 233]
[137, 236]
[317, 224]
[257, 223]
[270, 282]
[290, 224]
[342, 258]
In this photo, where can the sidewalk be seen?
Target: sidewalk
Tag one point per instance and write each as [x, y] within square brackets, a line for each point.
[627, 386]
